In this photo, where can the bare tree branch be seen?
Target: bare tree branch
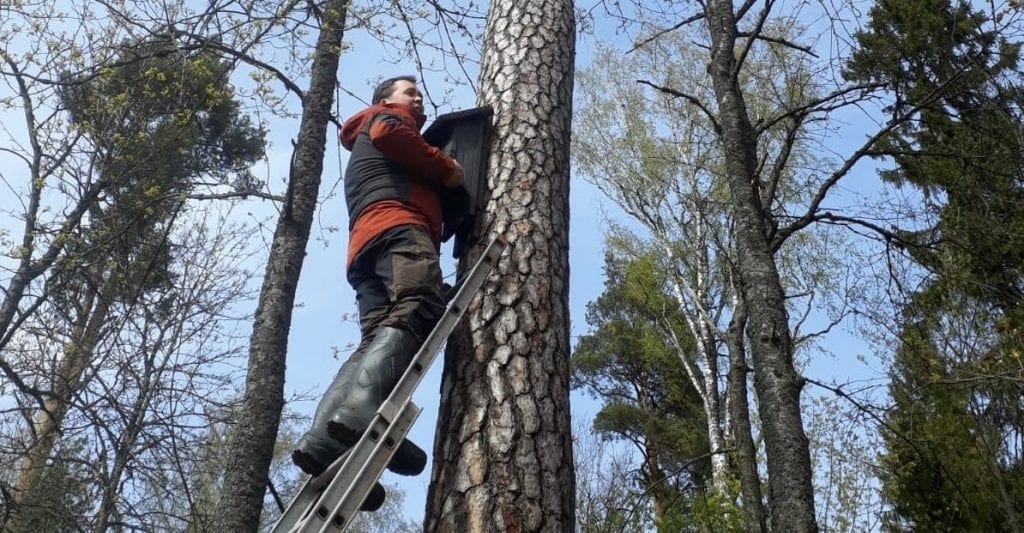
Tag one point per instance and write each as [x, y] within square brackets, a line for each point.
[812, 106]
[689, 98]
[779, 40]
[236, 195]
[743, 9]
[781, 162]
[808, 217]
[752, 35]
[652, 38]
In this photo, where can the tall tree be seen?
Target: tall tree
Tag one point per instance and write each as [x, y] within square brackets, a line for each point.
[628, 363]
[790, 487]
[667, 184]
[659, 158]
[503, 452]
[156, 124]
[255, 430]
[953, 458]
[54, 174]
[765, 222]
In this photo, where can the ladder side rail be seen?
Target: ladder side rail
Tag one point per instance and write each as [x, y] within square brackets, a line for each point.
[349, 479]
[453, 313]
[360, 469]
[308, 498]
[298, 508]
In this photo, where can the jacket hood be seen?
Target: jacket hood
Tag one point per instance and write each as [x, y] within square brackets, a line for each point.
[355, 124]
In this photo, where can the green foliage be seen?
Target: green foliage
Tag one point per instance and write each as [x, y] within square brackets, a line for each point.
[953, 460]
[629, 363]
[965, 151]
[159, 120]
[166, 111]
[952, 463]
[60, 501]
[708, 511]
[924, 49]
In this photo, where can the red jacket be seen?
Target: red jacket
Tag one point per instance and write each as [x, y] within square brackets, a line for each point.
[419, 166]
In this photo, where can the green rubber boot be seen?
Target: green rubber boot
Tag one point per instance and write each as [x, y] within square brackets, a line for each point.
[383, 363]
[374, 499]
[316, 450]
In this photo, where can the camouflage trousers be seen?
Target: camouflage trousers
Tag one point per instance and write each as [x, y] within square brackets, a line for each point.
[397, 279]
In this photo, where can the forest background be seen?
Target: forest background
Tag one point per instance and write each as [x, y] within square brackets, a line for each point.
[889, 142]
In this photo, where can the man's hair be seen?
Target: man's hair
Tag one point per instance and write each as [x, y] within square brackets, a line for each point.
[386, 87]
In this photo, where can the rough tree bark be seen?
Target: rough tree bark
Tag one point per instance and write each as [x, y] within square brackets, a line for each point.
[790, 488]
[503, 453]
[654, 473]
[252, 443]
[739, 417]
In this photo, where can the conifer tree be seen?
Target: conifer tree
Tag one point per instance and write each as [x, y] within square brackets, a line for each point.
[628, 363]
[953, 458]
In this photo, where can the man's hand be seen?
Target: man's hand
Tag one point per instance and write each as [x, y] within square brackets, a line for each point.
[456, 178]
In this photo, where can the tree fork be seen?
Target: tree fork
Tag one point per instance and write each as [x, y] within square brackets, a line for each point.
[790, 483]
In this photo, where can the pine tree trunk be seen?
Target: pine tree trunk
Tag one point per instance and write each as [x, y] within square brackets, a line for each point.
[251, 446]
[790, 489]
[503, 455]
[66, 383]
[656, 485]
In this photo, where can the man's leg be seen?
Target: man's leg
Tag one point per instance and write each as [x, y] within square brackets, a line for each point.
[316, 450]
[411, 274]
[374, 306]
[409, 270]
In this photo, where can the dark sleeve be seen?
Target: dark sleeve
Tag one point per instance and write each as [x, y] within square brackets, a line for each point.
[404, 145]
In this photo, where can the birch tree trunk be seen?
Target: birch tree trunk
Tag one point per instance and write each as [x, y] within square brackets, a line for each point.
[251, 446]
[503, 454]
[790, 488]
[698, 313]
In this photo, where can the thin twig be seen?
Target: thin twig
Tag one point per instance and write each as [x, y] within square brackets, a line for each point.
[684, 22]
[689, 98]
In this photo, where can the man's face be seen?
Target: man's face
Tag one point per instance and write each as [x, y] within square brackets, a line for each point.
[405, 93]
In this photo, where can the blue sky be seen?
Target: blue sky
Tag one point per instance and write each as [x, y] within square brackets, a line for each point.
[324, 296]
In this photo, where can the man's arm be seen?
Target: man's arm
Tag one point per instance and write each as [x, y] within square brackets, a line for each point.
[404, 145]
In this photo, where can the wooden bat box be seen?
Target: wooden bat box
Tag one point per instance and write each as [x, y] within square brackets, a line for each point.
[466, 136]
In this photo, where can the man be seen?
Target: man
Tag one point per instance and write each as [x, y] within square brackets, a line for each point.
[391, 186]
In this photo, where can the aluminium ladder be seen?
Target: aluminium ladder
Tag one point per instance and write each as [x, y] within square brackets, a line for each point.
[329, 502]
